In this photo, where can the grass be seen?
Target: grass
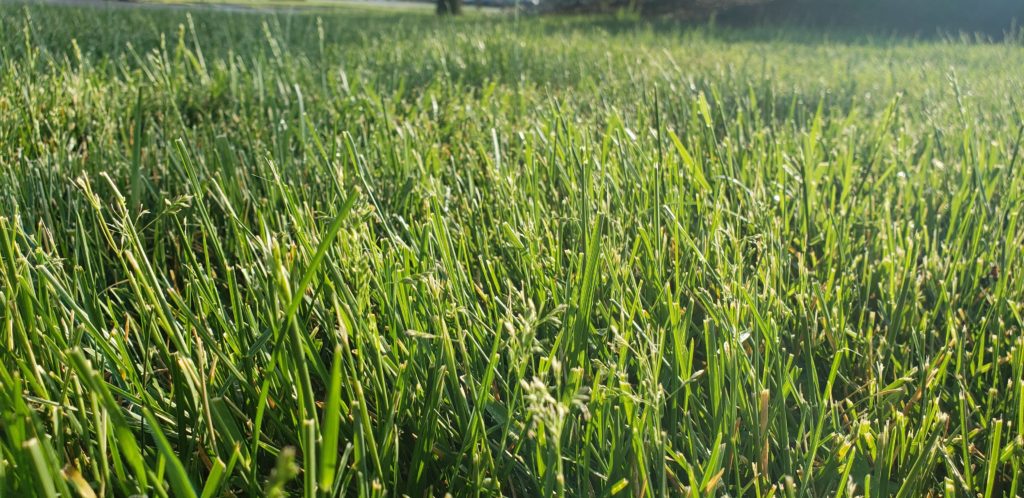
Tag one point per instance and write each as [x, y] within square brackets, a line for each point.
[366, 254]
[284, 5]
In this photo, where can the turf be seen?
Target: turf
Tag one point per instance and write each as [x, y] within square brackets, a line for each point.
[368, 253]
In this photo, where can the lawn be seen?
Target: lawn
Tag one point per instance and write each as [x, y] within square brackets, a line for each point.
[371, 253]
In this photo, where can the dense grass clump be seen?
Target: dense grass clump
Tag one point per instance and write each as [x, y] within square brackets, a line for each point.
[375, 254]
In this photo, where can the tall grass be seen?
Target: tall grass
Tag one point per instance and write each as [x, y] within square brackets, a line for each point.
[372, 254]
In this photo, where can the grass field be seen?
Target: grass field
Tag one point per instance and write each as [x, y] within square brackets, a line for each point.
[380, 254]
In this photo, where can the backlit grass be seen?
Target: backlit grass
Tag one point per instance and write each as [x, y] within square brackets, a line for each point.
[376, 254]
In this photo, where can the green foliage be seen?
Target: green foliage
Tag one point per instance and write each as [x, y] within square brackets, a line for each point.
[449, 7]
[929, 17]
[370, 254]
